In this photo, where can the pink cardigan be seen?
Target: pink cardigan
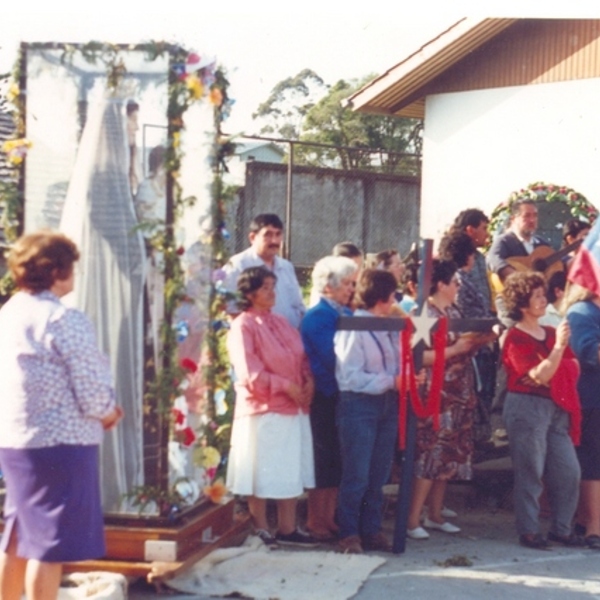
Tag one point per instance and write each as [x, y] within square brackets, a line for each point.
[267, 356]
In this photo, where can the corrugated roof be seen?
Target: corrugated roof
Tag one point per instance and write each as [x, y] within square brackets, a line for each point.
[398, 90]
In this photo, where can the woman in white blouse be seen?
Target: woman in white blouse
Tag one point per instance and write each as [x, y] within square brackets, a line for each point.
[367, 416]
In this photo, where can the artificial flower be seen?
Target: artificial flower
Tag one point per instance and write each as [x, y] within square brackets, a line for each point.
[189, 365]
[178, 416]
[211, 457]
[216, 491]
[195, 87]
[186, 437]
[216, 96]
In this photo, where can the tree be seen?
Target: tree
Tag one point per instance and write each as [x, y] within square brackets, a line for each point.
[358, 140]
[288, 104]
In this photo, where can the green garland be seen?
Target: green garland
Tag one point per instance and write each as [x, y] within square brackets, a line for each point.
[186, 86]
[539, 191]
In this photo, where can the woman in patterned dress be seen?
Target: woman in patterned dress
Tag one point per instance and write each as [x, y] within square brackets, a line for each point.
[57, 398]
[446, 453]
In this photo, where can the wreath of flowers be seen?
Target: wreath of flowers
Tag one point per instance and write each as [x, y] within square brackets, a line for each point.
[539, 191]
[191, 80]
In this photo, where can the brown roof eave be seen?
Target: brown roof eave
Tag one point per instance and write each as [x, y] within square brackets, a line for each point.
[396, 91]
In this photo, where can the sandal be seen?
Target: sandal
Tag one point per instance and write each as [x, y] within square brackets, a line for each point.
[534, 540]
[572, 540]
[592, 542]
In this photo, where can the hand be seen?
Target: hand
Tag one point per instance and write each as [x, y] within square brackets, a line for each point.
[463, 345]
[563, 333]
[296, 393]
[308, 391]
[112, 418]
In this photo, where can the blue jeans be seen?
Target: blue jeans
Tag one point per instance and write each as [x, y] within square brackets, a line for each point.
[540, 448]
[368, 429]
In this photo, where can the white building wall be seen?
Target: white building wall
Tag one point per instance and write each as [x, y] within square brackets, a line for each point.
[479, 146]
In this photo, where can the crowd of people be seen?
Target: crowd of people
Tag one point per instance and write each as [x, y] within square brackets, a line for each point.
[317, 407]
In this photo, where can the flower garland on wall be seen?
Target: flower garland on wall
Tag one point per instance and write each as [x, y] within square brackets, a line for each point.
[577, 203]
[191, 80]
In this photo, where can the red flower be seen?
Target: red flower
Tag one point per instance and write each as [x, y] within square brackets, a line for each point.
[188, 437]
[178, 416]
[189, 365]
[180, 250]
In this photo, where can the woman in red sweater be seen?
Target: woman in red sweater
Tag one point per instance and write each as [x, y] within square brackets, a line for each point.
[541, 414]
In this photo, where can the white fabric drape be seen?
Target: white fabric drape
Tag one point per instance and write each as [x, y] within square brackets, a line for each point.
[99, 217]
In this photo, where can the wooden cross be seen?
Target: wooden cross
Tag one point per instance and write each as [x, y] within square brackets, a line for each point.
[396, 324]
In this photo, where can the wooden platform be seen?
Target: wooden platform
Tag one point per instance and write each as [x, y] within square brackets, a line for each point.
[212, 527]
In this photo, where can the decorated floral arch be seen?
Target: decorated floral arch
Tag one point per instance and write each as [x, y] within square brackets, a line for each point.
[174, 384]
[578, 204]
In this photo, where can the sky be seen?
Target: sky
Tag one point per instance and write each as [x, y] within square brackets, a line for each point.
[262, 42]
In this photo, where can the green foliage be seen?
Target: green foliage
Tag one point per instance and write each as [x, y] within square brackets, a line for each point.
[288, 104]
[361, 141]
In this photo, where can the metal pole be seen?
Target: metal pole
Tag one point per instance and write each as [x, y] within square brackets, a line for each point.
[408, 456]
[287, 249]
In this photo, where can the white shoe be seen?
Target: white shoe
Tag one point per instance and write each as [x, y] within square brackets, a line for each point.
[445, 526]
[448, 513]
[418, 533]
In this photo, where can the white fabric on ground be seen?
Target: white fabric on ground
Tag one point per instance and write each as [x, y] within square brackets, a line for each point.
[95, 585]
[256, 572]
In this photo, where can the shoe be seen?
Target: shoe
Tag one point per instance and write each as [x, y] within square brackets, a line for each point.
[266, 538]
[592, 541]
[350, 545]
[418, 533]
[572, 540]
[446, 512]
[534, 540]
[445, 526]
[579, 529]
[323, 536]
[376, 542]
[296, 538]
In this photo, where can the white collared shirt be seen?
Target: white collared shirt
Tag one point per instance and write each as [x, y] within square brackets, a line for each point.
[288, 297]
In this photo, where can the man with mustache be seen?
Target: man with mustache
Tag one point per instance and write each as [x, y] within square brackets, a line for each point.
[266, 235]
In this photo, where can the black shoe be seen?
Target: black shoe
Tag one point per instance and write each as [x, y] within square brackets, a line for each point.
[267, 539]
[572, 540]
[534, 540]
[296, 538]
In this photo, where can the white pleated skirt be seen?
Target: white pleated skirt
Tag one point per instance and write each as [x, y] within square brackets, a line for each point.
[271, 456]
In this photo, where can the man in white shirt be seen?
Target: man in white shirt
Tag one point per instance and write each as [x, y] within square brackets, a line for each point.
[266, 236]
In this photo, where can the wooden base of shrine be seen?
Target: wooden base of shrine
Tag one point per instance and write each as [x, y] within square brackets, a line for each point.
[184, 543]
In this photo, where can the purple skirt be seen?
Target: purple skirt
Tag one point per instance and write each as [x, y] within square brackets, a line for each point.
[53, 503]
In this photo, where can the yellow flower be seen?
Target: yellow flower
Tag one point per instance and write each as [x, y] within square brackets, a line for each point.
[13, 92]
[216, 491]
[216, 96]
[194, 85]
[210, 457]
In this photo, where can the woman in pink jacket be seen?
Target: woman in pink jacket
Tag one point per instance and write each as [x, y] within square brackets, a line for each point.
[271, 447]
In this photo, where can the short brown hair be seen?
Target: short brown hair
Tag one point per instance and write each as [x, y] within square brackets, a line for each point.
[374, 285]
[37, 260]
[518, 289]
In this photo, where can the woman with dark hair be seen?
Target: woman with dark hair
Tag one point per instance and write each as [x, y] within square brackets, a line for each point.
[333, 278]
[57, 398]
[460, 248]
[367, 416]
[583, 315]
[540, 411]
[271, 444]
[446, 453]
